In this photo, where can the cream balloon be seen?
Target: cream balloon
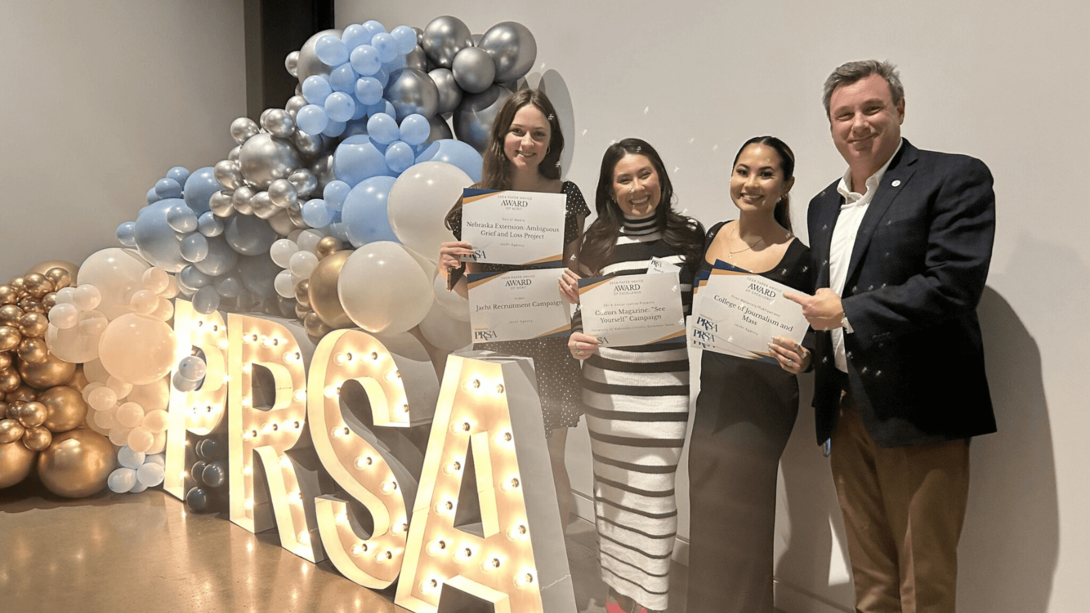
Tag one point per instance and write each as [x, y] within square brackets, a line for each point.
[137, 348]
[419, 202]
[116, 273]
[455, 306]
[383, 289]
[444, 331]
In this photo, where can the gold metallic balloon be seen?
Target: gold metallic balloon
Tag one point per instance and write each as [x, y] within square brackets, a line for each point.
[315, 327]
[327, 246]
[65, 408]
[31, 305]
[11, 430]
[49, 301]
[33, 324]
[4, 409]
[32, 415]
[37, 438]
[302, 293]
[60, 277]
[79, 380]
[16, 462]
[8, 295]
[9, 380]
[77, 463]
[10, 315]
[33, 351]
[45, 267]
[53, 371]
[23, 393]
[10, 337]
[37, 285]
[5, 360]
[323, 291]
[301, 312]
[19, 285]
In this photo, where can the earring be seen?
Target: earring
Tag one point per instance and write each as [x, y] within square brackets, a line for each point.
[547, 150]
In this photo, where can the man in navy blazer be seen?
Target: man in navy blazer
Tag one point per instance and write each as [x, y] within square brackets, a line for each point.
[901, 247]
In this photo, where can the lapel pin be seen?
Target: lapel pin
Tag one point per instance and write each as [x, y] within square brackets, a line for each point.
[896, 183]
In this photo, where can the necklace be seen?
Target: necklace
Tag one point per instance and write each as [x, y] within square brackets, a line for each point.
[731, 254]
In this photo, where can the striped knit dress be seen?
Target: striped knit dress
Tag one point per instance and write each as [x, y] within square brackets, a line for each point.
[637, 407]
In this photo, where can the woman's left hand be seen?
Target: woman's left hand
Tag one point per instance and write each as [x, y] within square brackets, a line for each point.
[569, 286]
[793, 357]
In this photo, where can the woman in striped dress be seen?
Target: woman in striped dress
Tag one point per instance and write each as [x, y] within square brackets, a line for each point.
[637, 398]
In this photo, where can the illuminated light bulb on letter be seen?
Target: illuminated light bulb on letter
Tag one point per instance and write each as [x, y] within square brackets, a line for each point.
[437, 547]
[430, 586]
[359, 549]
[332, 391]
[518, 532]
[341, 359]
[525, 579]
[465, 553]
[511, 484]
[374, 356]
[304, 537]
[249, 505]
[389, 487]
[247, 368]
[300, 395]
[491, 564]
[452, 467]
[444, 507]
[499, 388]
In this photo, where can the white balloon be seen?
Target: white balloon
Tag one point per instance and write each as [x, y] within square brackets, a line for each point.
[419, 202]
[121, 480]
[455, 306]
[284, 284]
[308, 240]
[302, 263]
[150, 474]
[281, 251]
[444, 331]
[382, 288]
[116, 274]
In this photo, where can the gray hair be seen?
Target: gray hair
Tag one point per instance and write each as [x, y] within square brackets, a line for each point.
[849, 73]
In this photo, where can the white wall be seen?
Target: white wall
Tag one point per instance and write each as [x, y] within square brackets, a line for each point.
[100, 100]
[1004, 81]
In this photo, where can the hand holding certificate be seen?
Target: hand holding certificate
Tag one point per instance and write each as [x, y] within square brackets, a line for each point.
[632, 310]
[739, 313]
[517, 228]
[517, 305]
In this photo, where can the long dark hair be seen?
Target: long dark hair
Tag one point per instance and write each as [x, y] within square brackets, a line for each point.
[681, 233]
[782, 212]
[496, 168]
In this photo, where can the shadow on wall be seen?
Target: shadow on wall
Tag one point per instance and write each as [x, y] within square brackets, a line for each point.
[554, 86]
[1010, 545]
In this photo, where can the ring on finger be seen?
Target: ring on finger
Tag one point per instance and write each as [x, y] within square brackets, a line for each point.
[790, 362]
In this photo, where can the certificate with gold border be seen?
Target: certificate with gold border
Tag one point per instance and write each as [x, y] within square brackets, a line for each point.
[516, 228]
[632, 310]
[517, 305]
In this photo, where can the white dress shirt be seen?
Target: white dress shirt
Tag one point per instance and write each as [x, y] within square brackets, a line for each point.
[843, 241]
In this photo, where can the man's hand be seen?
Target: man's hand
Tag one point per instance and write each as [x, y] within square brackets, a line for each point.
[823, 310]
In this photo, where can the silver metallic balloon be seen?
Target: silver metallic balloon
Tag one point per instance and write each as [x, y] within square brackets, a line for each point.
[295, 216]
[308, 145]
[233, 154]
[412, 91]
[228, 174]
[474, 70]
[243, 128]
[419, 35]
[281, 223]
[440, 129]
[278, 122]
[417, 59]
[443, 38]
[450, 95]
[512, 48]
[266, 158]
[241, 200]
[220, 204]
[304, 182]
[308, 63]
[262, 205]
[282, 193]
[292, 63]
[473, 118]
[322, 169]
[294, 104]
[476, 38]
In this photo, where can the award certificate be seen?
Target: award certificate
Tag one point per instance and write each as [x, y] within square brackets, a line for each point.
[519, 228]
[631, 310]
[738, 313]
[517, 305]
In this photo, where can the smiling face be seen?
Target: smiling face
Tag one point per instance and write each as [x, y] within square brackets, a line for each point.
[757, 182]
[636, 188]
[866, 124]
[527, 139]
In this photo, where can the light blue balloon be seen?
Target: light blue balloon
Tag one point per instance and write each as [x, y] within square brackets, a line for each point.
[382, 107]
[399, 156]
[228, 286]
[382, 128]
[126, 234]
[355, 35]
[182, 384]
[415, 129]
[192, 368]
[158, 243]
[360, 113]
[340, 107]
[334, 194]
[386, 45]
[317, 214]
[455, 152]
[356, 127]
[343, 78]
[383, 77]
[405, 37]
[316, 88]
[168, 188]
[194, 247]
[152, 196]
[206, 300]
[220, 259]
[373, 27]
[249, 235]
[121, 480]
[257, 274]
[199, 188]
[334, 128]
[357, 159]
[179, 174]
[394, 64]
[339, 230]
[364, 212]
[209, 225]
[129, 458]
[312, 119]
[181, 218]
[193, 277]
[365, 60]
[331, 50]
[368, 90]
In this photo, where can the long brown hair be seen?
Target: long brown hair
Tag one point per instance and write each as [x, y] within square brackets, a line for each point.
[681, 233]
[782, 212]
[496, 168]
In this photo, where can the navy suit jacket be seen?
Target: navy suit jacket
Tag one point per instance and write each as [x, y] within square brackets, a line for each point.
[916, 274]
